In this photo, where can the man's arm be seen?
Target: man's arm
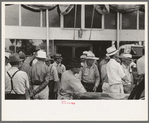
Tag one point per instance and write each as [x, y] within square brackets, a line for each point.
[97, 77]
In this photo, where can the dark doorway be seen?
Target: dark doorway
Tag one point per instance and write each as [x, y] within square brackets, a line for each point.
[66, 52]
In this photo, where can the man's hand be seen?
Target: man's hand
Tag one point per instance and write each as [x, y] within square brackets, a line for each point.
[95, 88]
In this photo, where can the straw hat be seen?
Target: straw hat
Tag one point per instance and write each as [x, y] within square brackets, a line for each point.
[111, 51]
[41, 54]
[125, 56]
[90, 55]
[14, 58]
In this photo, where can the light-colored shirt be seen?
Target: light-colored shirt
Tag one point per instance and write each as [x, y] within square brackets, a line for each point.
[20, 81]
[53, 73]
[141, 65]
[60, 67]
[40, 72]
[115, 72]
[69, 85]
[7, 67]
[90, 75]
[127, 70]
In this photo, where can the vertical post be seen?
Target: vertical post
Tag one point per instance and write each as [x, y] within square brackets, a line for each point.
[83, 16]
[103, 18]
[52, 47]
[120, 21]
[137, 19]
[15, 47]
[47, 24]
[41, 23]
[118, 29]
[20, 21]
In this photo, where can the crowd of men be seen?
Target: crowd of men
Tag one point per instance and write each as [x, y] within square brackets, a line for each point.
[45, 77]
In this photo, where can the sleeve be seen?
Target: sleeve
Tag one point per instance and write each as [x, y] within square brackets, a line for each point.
[121, 71]
[55, 74]
[97, 77]
[26, 80]
[76, 85]
[138, 67]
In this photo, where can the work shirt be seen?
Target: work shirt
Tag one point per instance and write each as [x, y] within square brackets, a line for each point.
[25, 67]
[69, 85]
[90, 75]
[60, 67]
[20, 81]
[141, 65]
[127, 70]
[39, 72]
[53, 73]
[115, 72]
[7, 67]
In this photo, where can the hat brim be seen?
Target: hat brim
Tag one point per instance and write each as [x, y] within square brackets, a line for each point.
[122, 57]
[94, 58]
[41, 57]
[110, 54]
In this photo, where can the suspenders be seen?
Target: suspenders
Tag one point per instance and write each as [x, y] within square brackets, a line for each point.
[12, 81]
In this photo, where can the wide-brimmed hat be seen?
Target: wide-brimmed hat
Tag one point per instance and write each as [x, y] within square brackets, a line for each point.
[125, 56]
[57, 56]
[90, 55]
[41, 54]
[75, 63]
[14, 58]
[111, 51]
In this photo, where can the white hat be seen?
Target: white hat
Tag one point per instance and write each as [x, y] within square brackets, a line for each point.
[125, 56]
[90, 55]
[41, 54]
[111, 51]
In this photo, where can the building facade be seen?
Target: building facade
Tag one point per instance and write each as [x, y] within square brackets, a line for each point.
[72, 29]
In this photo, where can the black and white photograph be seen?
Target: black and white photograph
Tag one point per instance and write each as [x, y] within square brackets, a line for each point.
[74, 61]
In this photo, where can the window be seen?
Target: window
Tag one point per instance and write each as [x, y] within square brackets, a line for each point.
[129, 20]
[69, 18]
[110, 21]
[97, 21]
[54, 18]
[30, 17]
[141, 20]
[12, 15]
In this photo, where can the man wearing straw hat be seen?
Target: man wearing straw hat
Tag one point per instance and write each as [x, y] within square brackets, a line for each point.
[115, 72]
[126, 61]
[16, 81]
[89, 74]
[39, 78]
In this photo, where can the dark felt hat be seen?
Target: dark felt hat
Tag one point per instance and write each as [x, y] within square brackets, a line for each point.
[14, 58]
[75, 63]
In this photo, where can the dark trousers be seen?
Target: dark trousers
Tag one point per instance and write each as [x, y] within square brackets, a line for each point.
[15, 97]
[52, 94]
[88, 86]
